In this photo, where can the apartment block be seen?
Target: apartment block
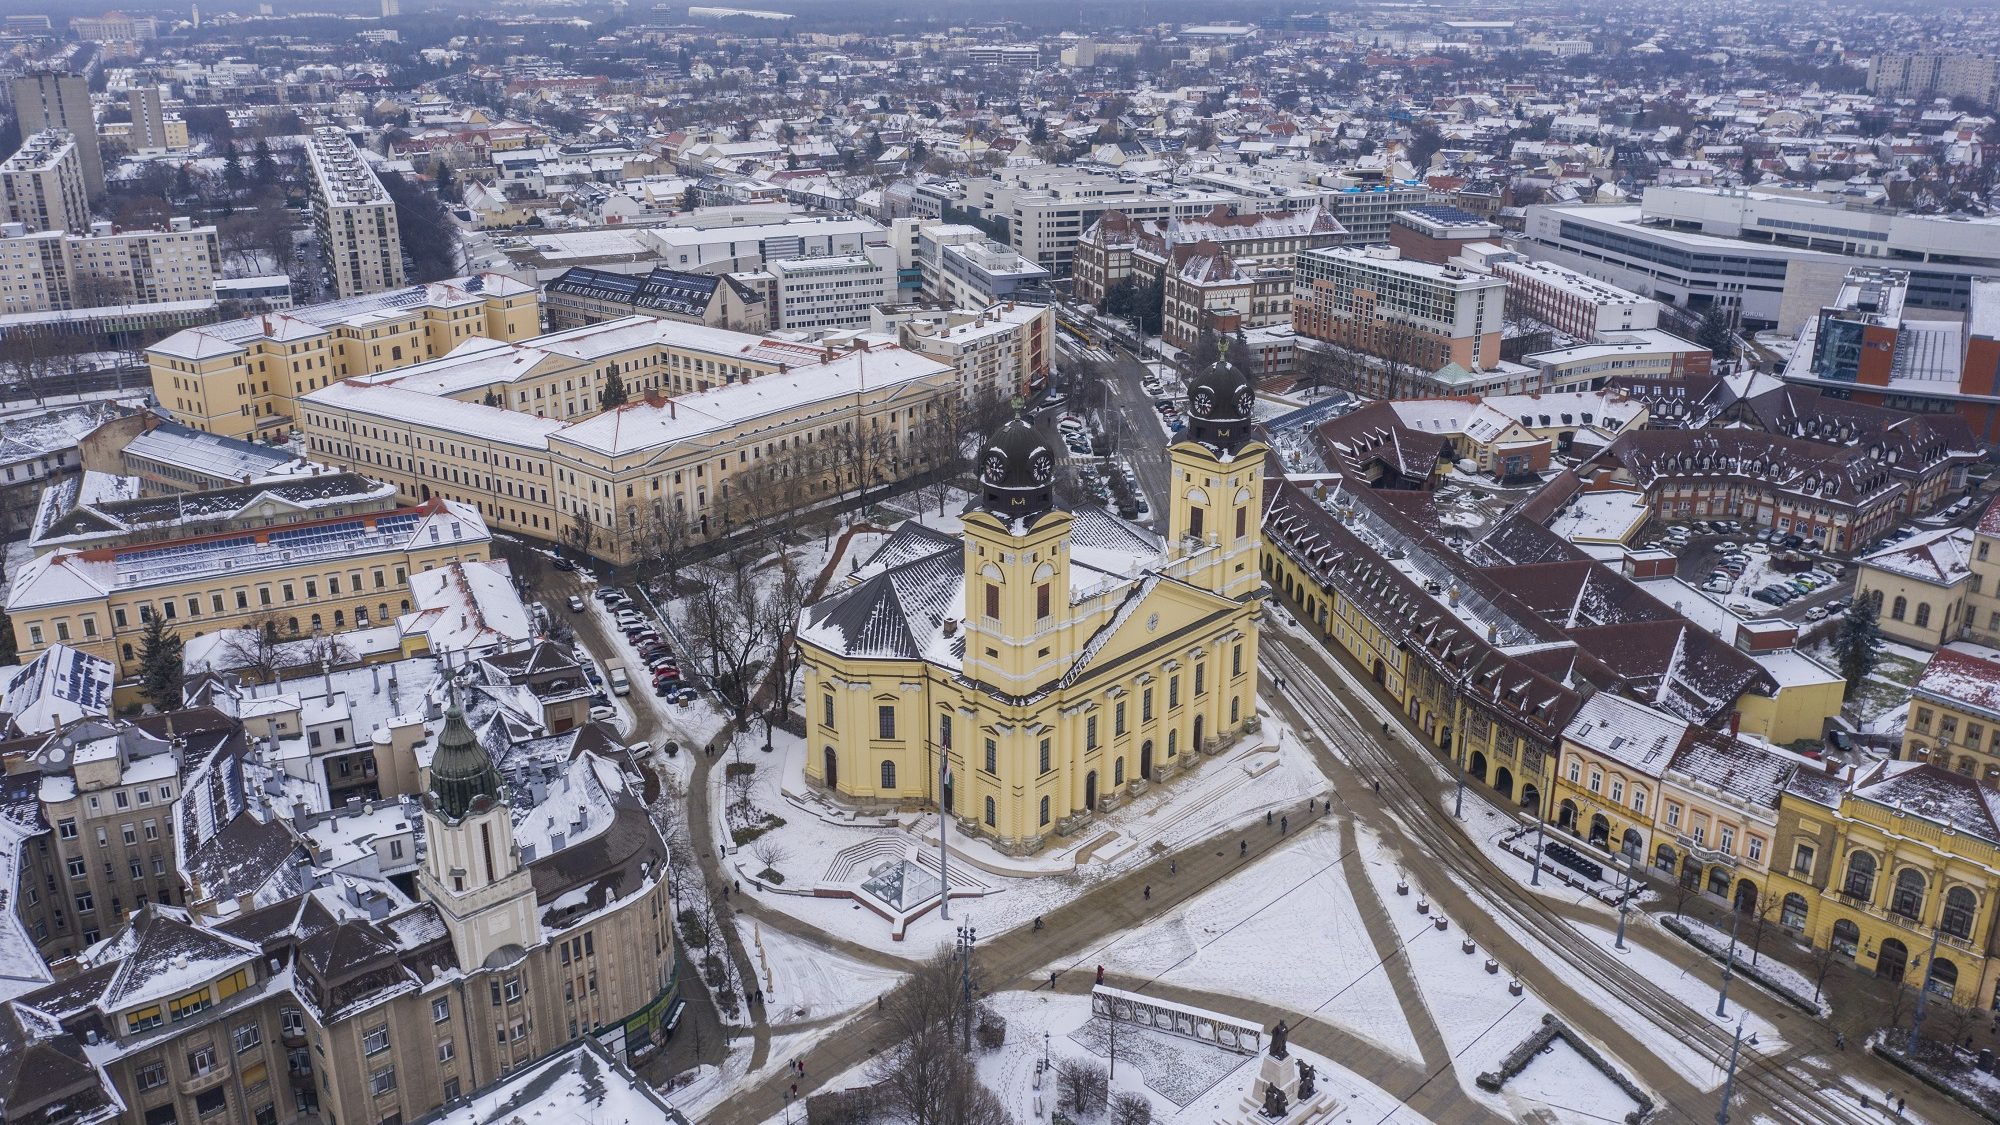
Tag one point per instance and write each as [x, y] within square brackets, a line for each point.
[1000, 351]
[1573, 303]
[47, 100]
[316, 575]
[242, 378]
[1366, 210]
[1373, 300]
[48, 270]
[1936, 74]
[42, 185]
[959, 264]
[354, 217]
[1046, 209]
[1120, 248]
[1213, 292]
[149, 120]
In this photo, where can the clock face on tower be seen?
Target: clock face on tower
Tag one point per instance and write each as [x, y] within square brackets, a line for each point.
[1246, 401]
[1042, 466]
[995, 470]
[1202, 401]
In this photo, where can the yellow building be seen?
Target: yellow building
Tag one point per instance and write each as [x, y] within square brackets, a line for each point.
[1055, 661]
[1919, 586]
[243, 378]
[1877, 869]
[1614, 756]
[1954, 718]
[321, 575]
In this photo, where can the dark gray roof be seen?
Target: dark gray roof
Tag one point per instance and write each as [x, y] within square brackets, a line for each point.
[663, 290]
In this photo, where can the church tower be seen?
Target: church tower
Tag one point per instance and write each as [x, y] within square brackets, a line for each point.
[1016, 565]
[472, 871]
[1217, 476]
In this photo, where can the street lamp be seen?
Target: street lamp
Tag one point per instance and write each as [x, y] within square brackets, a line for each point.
[1535, 857]
[1624, 903]
[1923, 994]
[944, 829]
[1729, 1082]
[966, 936]
[1728, 964]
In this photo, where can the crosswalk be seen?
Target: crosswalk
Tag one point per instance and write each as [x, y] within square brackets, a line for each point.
[1076, 351]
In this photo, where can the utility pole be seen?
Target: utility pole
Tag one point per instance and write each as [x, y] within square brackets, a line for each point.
[1728, 964]
[1624, 903]
[1729, 1081]
[1535, 859]
[966, 936]
[1458, 799]
[1923, 994]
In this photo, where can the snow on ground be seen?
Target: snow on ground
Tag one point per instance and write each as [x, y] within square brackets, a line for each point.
[1289, 917]
[1564, 1087]
[1187, 1082]
[804, 982]
[712, 1086]
[1716, 943]
[1232, 790]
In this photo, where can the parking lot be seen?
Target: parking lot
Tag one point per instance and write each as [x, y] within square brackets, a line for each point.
[1759, 573]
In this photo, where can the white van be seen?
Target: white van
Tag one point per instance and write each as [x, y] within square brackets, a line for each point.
[620, 683]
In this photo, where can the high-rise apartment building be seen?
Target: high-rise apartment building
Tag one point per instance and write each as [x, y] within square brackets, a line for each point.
[149, 119]
[354, 216]
[42, 184]
[48, 100]
[1936, 74]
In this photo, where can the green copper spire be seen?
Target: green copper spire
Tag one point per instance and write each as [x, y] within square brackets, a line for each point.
[462, 776]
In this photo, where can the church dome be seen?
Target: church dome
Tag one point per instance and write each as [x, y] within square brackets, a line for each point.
[1017, 471]
[1220, 403]
[462, 775]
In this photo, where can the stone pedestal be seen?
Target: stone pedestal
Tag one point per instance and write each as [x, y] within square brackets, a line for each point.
[1283, 1075]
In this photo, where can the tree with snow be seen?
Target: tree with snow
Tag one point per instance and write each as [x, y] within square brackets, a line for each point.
[614, 392]
[160, 666]
[1856, 645]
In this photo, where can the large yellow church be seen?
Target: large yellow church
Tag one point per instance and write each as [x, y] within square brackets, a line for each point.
[1051, 662]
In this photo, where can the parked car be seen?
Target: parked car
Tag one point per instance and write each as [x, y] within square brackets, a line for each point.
[561, 563]
[1816, 613]
[575, 604]
[603, 714]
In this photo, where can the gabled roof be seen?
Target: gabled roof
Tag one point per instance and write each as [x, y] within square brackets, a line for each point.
[161, 954]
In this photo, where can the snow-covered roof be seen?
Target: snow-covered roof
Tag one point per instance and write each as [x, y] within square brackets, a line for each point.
[1941, 558]
[1627, 732]
[1962, 675]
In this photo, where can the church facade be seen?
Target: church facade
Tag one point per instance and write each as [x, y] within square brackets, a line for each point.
[1046, 664]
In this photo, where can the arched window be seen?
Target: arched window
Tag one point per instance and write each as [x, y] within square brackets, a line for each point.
[1792, 915]
[992, 813]
[1923, 614]
[1860, 877]
[1908, 897]
[1943, 978]
[1959, 904]
[1876, 597]
[1899, 607]
[888, 775]
[1118, 772]
[1846, 937]
[1171, 750]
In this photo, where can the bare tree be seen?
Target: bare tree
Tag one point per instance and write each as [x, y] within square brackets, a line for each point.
[94, 289]
[1083, 1086]
[257, 645]
[769, 852]
[32, 357]
[728, 625]
[927, 1078]
[1822, 959]
[665, 537]
[1131, 1109]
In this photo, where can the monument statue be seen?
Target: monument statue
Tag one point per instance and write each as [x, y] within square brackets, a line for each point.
[1306, 1076]
[1274, 1102]
[1278, 1036]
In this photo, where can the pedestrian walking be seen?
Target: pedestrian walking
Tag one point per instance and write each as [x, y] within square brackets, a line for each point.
[1284, 825]
[1242, 849]
[1900, 1106]
[1173, 867]
[1310, 806]
[1149, 892]
[1267, 818]
[1864, 1102]
[739, 885]
[1840, 1040]
[1378, 789]
[1052, 983]
[1100, 974]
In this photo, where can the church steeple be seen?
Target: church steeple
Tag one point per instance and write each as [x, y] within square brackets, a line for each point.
[463, 779]
[1218, 484]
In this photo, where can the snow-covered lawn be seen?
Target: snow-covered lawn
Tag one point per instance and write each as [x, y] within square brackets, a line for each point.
[1290, 917]
[1566, 1088]
[1715, 943]
[804, 982]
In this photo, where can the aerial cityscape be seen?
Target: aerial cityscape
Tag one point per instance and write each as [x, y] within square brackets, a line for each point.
[1199, 562]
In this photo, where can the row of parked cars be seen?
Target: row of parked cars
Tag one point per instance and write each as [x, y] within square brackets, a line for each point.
[644, 633]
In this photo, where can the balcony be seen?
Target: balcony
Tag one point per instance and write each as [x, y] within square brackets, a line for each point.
[207, 1080]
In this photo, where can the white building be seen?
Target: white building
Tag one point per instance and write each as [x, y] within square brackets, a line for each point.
[49, 270]
[837, 291]
[42, 184]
